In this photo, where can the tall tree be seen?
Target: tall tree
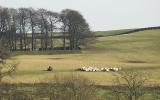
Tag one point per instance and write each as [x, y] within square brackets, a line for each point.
[23, 26]
[6, 26]
[77, 28]
[42, 22]
[53, 18]
[13, 13]
[64, 26]
[33, 24]
[23, 17]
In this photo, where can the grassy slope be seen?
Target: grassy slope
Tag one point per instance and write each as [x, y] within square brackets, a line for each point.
[136, 51]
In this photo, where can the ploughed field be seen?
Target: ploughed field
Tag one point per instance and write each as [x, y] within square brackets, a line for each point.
[138, 51]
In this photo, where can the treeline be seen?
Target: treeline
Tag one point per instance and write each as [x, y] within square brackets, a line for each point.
[139, 29]
[37, 29]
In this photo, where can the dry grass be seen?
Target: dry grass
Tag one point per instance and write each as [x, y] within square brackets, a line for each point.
[137, 51]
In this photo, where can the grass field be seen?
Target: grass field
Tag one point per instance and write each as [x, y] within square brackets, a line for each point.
[137, 51]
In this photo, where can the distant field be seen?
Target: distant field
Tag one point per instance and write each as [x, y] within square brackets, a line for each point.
[112, 32]
[137, 51]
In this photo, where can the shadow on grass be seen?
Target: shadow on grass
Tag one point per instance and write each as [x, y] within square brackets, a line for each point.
[136, 61]
[39, 72]
[141, 68]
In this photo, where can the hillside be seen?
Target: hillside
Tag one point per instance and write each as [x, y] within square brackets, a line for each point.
[141, 45]
[146, 40]
[137, 51]
[123, 31]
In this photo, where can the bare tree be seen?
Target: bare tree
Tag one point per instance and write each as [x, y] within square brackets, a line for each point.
[133, 82]
[53, 18]
[14, 24]
[44, 27]
[23, 20]
[5, 24]
[23, 26]
[5, 68]
[77, 28]
[33, 24]
[72, 87]
[64, 26]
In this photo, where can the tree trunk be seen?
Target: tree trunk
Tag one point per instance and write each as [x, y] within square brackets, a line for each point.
[15, 41]
[21, 45]
[24, 35]
[51, 35]
[32, 38]
[64, 40]
[46, 38]
[42, 38]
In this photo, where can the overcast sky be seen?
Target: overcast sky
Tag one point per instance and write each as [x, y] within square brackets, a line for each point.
[102, 14]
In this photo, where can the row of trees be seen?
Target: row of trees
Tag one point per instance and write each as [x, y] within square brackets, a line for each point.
[26, 28]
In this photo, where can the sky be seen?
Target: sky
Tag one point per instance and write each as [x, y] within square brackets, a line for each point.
[102, 14]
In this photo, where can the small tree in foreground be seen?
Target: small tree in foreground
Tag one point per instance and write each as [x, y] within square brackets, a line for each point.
[129, 84]
[5, 68]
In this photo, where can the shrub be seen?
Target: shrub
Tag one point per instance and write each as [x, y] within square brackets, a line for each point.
[73, 87]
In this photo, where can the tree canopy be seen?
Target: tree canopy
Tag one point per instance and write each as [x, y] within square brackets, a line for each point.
[37, 29]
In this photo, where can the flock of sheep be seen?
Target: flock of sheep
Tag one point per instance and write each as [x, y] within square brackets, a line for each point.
[104, 69]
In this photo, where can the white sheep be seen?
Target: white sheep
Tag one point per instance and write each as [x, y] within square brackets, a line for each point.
[95, 69]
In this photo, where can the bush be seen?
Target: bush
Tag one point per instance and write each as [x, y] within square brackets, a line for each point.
[73, 87]
[134, 85]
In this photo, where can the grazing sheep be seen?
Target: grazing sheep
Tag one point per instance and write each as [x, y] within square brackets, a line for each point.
[95, 69]
[102, 69]
[107, 69]
[115, 69]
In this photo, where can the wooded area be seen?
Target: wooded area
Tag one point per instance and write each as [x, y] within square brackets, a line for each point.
[28, 29]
